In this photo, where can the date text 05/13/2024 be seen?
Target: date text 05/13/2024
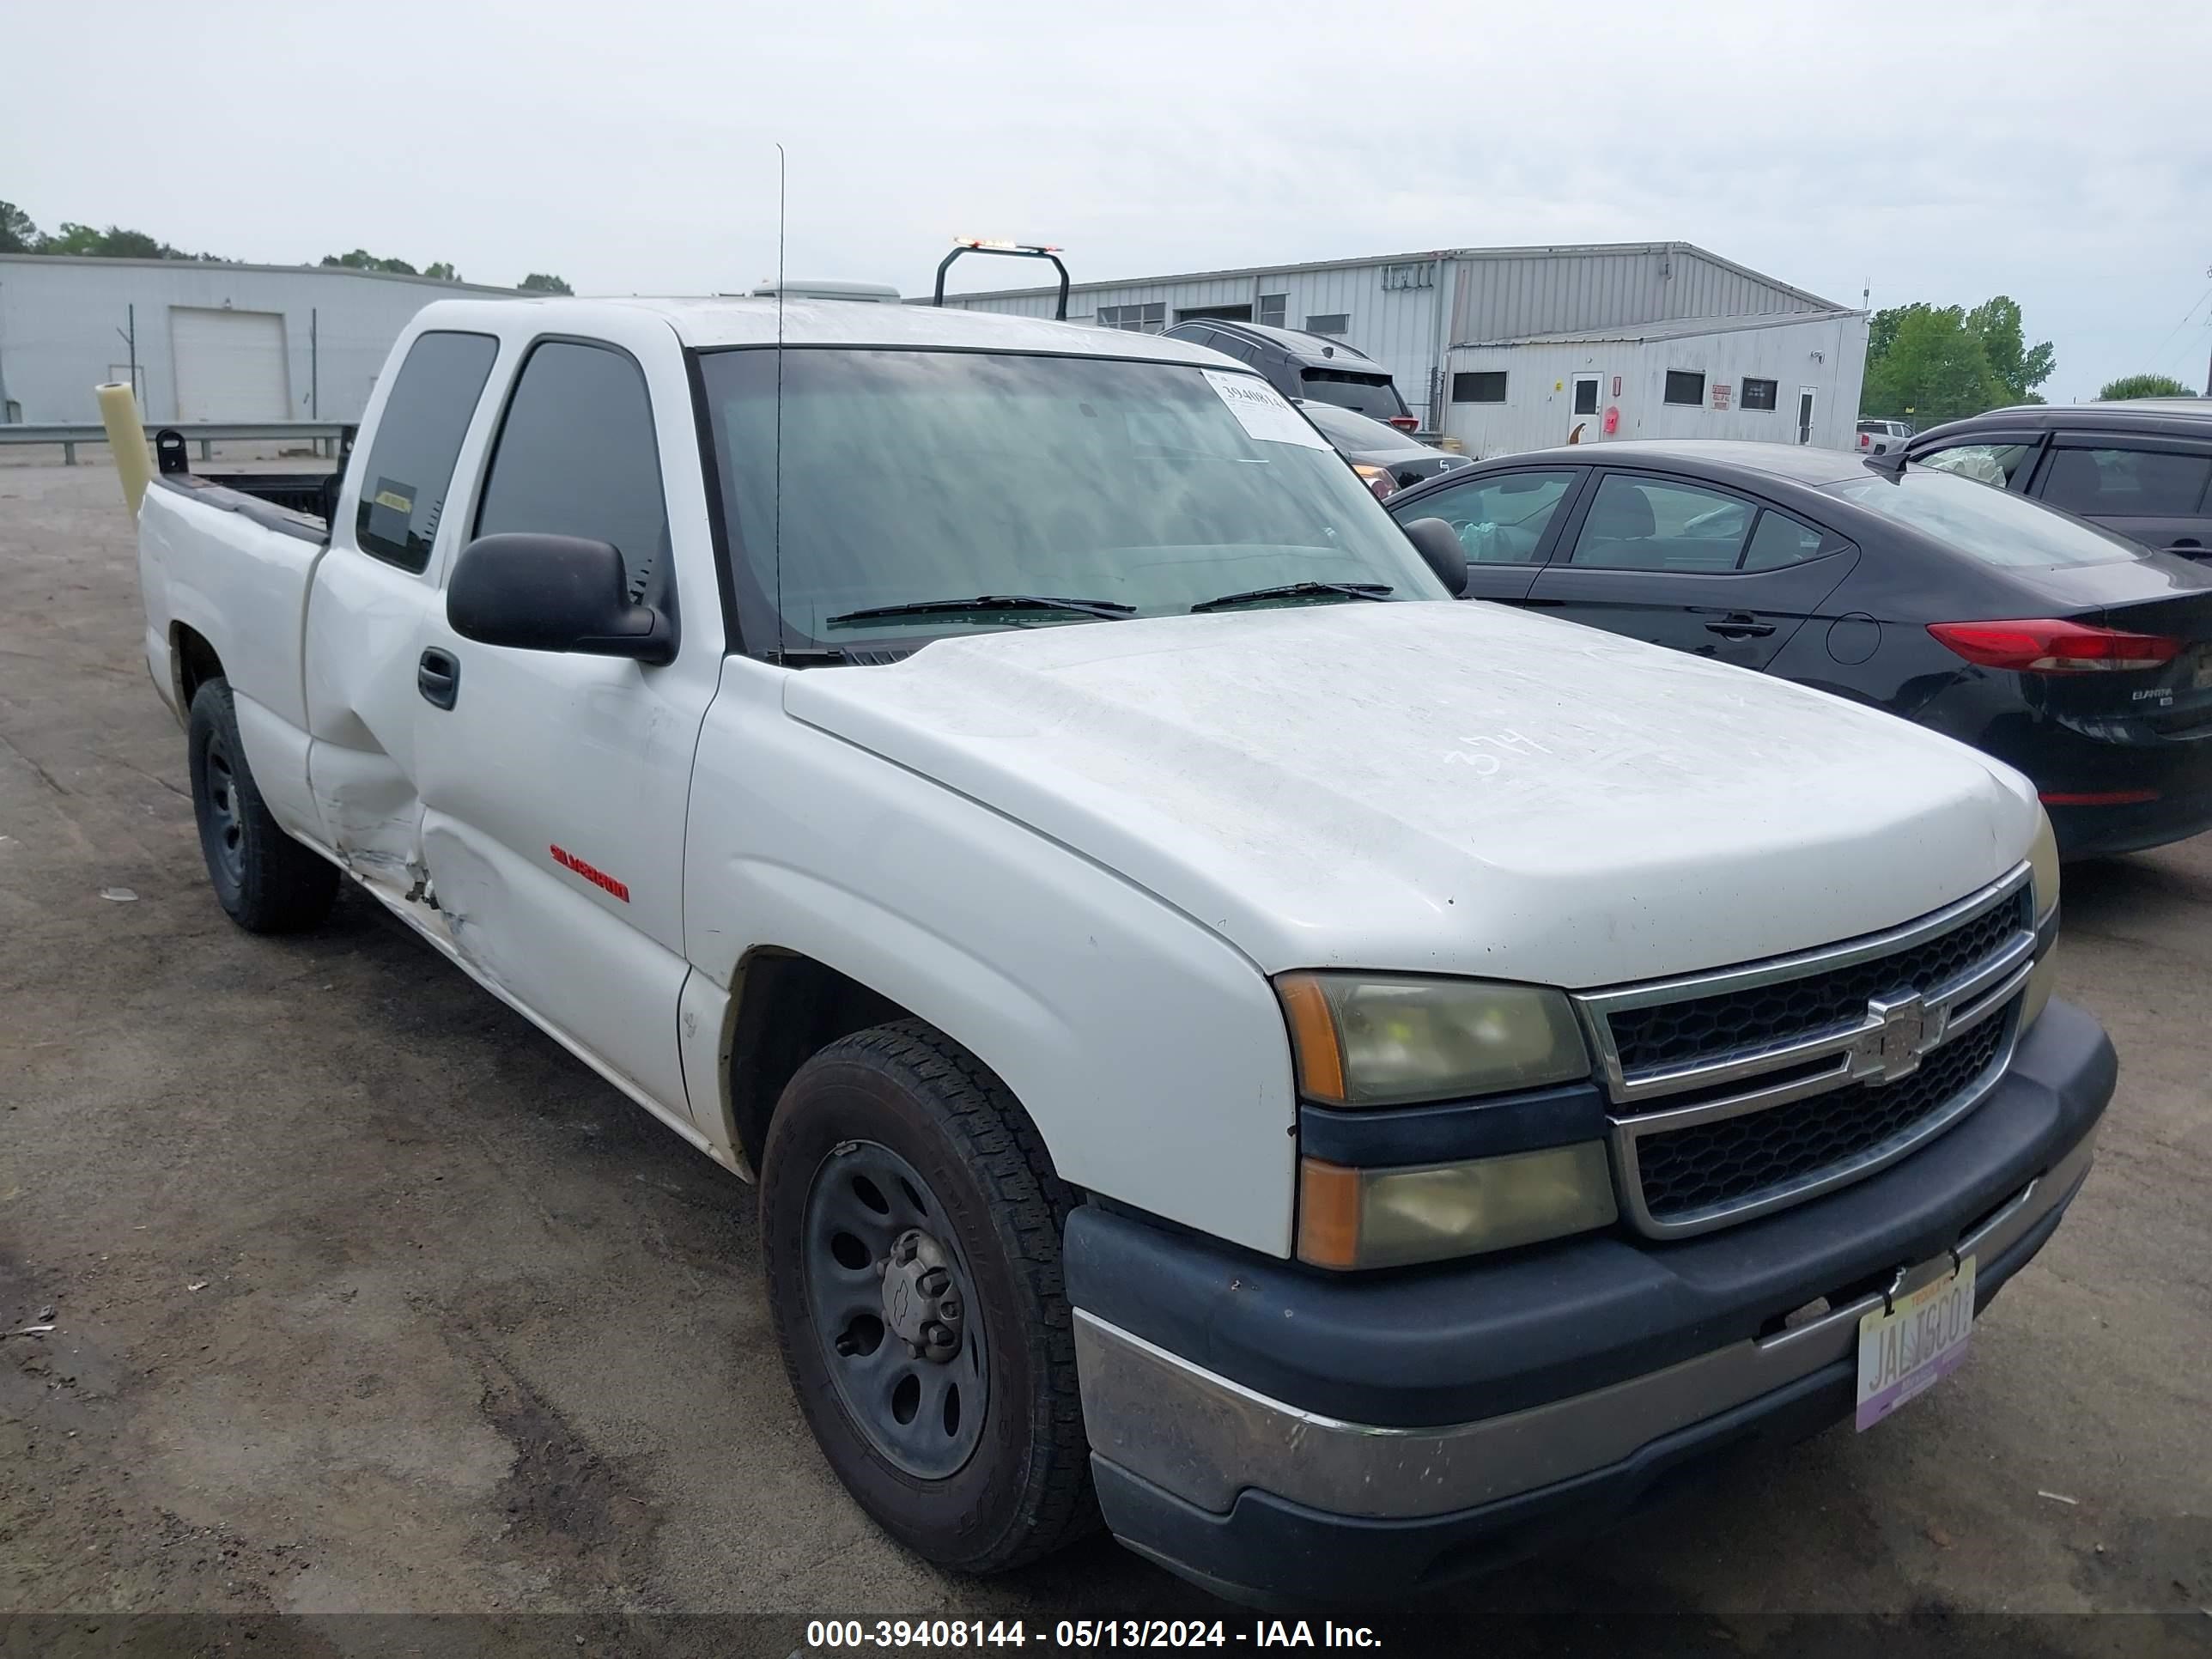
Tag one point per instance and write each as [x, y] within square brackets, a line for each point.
[836, 1635]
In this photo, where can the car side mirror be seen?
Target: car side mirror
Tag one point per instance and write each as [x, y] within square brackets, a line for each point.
[1438, 544]
[539, 592]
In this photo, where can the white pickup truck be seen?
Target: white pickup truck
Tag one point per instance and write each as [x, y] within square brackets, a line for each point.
[1345, 1085]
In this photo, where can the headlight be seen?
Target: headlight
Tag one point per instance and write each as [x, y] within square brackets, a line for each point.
[2043, 863]
[1372, 1040]
[1390, 1218]
[2042, 860]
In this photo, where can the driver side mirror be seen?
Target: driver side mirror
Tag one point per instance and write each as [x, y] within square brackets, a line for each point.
[1438, 544]
[539, 592]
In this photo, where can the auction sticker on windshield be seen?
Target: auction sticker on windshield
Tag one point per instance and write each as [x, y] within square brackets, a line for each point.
[1921, 1340]
[1262, 412]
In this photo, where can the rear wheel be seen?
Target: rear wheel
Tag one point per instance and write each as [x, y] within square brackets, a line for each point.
[910, 1223]
[265, 881]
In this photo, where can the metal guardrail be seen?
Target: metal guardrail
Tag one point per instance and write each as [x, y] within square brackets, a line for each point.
[325, 435]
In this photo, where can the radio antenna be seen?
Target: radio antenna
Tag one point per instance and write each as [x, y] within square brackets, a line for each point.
[778, 491]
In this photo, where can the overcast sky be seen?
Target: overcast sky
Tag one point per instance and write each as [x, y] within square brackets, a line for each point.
[1930, 151]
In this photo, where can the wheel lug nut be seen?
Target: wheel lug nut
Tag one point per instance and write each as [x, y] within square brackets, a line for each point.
[934, 1282]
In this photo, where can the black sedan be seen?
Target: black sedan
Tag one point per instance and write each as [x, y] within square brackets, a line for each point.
[2081, 657]
[1384, 458]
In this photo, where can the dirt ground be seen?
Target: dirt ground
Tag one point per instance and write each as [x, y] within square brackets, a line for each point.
[366, 1298]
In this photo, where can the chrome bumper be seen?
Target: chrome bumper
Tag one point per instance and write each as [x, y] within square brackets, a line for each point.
[1206, 1439]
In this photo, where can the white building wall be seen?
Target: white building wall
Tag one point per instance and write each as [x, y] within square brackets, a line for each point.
[59, 318]
[1827, 354]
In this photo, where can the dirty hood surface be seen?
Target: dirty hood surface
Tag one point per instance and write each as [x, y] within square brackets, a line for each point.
[1439, 787]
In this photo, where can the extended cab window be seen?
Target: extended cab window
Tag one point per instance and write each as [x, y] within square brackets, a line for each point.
[418, 438]
[576, 457]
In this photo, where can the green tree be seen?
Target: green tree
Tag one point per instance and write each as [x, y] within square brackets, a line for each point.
[443, 271]
[113, 243]
[1932, 368]
[361, 259]
[2018, 368]
[2144, 385]
[538, 283]
[17, 234]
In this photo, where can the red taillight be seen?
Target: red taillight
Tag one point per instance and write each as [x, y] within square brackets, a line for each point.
[1864, 440]
[1405, 423]
[2054, 647]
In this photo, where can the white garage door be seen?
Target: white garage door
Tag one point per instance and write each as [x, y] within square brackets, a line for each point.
[230, 365]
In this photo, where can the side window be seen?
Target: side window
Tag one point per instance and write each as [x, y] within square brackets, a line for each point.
[1989, 464]
[1500, 519]
[1779, 540]
[418, 438]
[1642, 524]
[575, 456]
[2125, 483]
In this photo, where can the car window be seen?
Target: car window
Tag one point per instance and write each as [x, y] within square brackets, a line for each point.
[418, 438]
[1366, 394]
[1642, 524]
[1989, 464]
[2121, 482]
[575, 456]
[1993, 526]
[1348, 430]
[1501, 518]
[1778, 539]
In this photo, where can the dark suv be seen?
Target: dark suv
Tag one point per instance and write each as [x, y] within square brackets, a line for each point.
[1306, 366]
[2142, 468]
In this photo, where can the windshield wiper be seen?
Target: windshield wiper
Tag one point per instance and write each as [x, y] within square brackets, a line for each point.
[1106, 610]
[1298, 590]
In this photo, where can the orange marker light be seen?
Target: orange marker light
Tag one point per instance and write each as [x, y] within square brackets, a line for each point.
[1329, 1214]
[1313, 1036]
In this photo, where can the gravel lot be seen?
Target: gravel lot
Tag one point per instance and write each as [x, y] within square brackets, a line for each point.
[367, 1298]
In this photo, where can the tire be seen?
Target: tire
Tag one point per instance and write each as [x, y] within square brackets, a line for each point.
[904, 1112]
[265, 881]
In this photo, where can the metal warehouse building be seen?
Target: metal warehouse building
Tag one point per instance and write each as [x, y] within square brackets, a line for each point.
[208, 341]
[1514, 348]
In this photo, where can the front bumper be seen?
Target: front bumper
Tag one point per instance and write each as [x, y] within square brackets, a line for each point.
[1271, 1433]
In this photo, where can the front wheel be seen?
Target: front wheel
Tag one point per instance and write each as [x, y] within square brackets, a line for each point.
[911, 1223]
[266, 882]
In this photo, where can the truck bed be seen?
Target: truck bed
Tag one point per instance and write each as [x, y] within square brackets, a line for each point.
[302, 499]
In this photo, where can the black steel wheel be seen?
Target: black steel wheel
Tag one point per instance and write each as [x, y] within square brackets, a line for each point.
[911, 1227]
[894, 1308]
[266, 882]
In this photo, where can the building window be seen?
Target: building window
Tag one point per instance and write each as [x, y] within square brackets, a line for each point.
[1138, 319]
[1275, 309]
[1416, 273]
[1684, 386]
[1334, 322]
[1479, 386]
[1758, 394]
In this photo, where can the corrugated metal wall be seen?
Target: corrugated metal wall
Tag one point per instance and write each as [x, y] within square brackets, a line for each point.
[1826, 353]
[1502, 295]
[58, 318]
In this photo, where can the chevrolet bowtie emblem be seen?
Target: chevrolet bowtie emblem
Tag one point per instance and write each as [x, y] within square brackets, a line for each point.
[1891, 1043]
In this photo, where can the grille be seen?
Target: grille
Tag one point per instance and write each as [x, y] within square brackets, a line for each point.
[1739, 1158]
[1681, 1033]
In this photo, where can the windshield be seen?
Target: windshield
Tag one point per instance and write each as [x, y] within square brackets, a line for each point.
[1371, 395]
[909, 476]
[1349, 431]
[1993, 526]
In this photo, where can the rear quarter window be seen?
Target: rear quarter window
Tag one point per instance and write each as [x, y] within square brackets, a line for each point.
[1985, 524]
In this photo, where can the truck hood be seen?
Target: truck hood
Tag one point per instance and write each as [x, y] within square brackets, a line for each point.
[1444, 788]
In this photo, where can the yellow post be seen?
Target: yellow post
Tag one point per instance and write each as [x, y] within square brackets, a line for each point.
[127, 438]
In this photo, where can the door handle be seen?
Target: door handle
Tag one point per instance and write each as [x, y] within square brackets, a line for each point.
[1739, 625]
[2190, 542]
[438, 678]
